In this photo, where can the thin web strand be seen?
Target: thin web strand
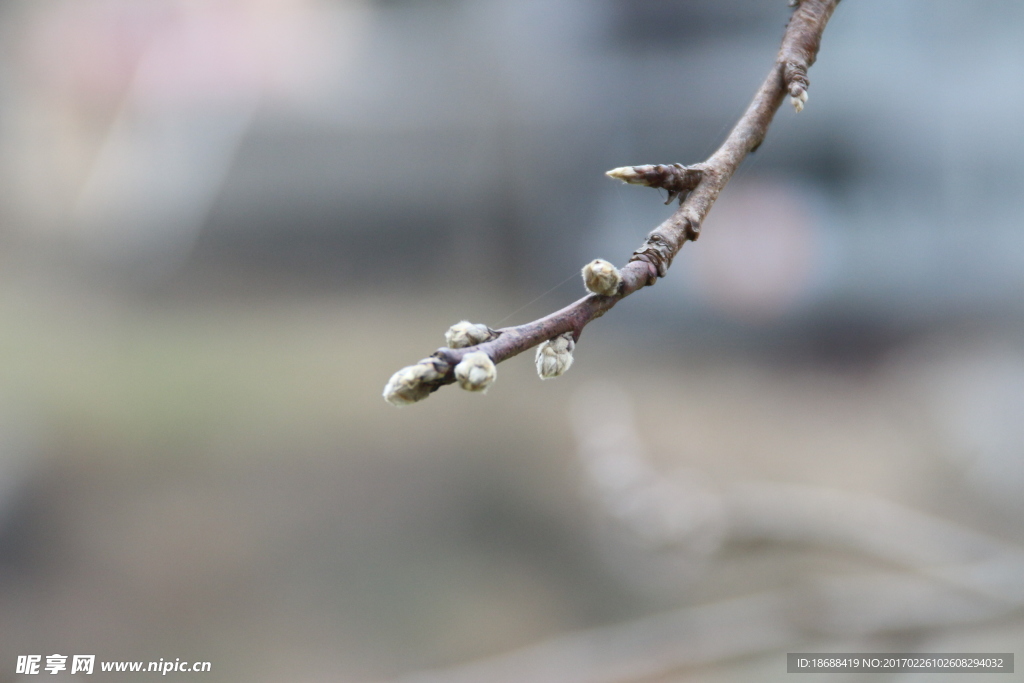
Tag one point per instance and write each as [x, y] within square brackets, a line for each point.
[530, 303]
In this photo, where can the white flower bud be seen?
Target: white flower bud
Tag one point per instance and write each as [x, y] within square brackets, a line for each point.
[554, 357]
[464, 333]
[601, 277]
[627, 174]
[476, 372]
[409, 385]
[799, 100]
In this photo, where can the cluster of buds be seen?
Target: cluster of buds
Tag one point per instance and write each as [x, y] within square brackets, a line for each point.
[476, 370]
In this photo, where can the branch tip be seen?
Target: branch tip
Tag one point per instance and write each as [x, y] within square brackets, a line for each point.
[675, 178]
[412, 383]
[627, 174]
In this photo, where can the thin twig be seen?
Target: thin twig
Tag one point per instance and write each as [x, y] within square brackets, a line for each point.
[698, 187]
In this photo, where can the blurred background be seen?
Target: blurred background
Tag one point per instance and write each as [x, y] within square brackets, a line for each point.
[225, 223]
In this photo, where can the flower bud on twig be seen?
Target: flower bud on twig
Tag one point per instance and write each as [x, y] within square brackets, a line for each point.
[627, 174]
[601, 277]
[554, 356]
[476, 372]
[464, 333]
[411, 384]
[799, 99]
[679, 180]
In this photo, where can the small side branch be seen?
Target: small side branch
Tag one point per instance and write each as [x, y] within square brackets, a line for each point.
[696, 186]
[675, 178]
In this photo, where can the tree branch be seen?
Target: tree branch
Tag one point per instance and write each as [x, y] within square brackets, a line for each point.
[697, 186]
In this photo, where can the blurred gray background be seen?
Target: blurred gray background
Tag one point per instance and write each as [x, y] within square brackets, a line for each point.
[225, 223]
